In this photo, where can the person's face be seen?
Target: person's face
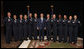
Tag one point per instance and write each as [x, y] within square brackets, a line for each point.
[25, 16]
[65, 17]
[21, 16]
[30, 14]
[70, 17]
[14, 16]
[54, 16]
[41, 15]
[35, 15]
[48, 16]
[59, 16]
[75, 16]
[9, 14]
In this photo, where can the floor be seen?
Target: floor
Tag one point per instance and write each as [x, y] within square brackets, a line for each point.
[34, 43]
[13, 44]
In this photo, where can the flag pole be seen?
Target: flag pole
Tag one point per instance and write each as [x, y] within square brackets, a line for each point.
[28, 10]
[51, 10]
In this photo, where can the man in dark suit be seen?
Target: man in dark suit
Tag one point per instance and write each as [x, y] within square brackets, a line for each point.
[35, 22]
[25, 27]
[76, 22]
[64, 28]
[41, 26]
[48, 27]
[20, 26]
[8, 24]
[15, 28]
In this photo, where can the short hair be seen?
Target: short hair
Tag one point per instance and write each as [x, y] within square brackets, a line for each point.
[48, 14]
[41, 13]
[35, 13]
[20, 14]
[75, 15]
[54, 14]
[8, 12]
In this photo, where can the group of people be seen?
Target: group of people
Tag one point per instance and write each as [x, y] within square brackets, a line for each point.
[27, 26]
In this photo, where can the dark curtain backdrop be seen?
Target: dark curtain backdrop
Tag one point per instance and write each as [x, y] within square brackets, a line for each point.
[60, 7]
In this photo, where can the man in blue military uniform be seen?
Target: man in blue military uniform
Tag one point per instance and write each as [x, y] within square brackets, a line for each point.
[75, 28]
[30, 26]
[48, 27]
[35, 22]
[41, 26]
[64, 28]
[60, 28]
[54, 27]
[8, 24]
[25, 27]
[20, 26]
[15, 28]
[70, 28]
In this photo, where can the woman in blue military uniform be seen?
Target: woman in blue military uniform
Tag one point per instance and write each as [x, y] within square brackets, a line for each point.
[64, 28]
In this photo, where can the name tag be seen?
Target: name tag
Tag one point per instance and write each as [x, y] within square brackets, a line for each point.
[15, 21]
[30, 19]
[63, 21]
[57, 20]
[73, 22]
[25, 20]
[35, 20]
[78, 21]
[9, 20]
[68, 21]
[51, 20]
[20, 21]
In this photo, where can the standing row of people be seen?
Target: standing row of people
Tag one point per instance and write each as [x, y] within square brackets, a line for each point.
[25, 27]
